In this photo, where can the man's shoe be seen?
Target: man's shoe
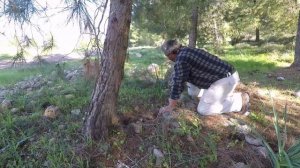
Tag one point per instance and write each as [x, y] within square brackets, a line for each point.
[245, 103]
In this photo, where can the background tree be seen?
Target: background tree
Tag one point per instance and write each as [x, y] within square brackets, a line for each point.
[296, 62]
[251, 20]
[194, 26]
[170, 19]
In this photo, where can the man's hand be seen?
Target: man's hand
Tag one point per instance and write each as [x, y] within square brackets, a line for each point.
[165, 109]
[169, 108]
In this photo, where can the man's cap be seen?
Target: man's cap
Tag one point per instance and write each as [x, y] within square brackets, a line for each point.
[169, 46]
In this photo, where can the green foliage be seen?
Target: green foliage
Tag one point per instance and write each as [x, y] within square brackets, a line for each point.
[259, 118]
[169, 18]
[20, 10]
[219, 21]
[141, 37]
[283, 158]
[19, 58]
[192, 128]
[53, 148]
[79, 12]
[48, 45]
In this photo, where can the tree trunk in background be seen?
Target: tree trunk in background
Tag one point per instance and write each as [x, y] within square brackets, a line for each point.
[296, 62]
[104, 98]
[257, 38]
[217, 34]
[218, 39]
[194, 25]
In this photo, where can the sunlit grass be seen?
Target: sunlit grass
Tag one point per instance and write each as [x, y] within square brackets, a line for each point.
[12, 75]
[148, 56]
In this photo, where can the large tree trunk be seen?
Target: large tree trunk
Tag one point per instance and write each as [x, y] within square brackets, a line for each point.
[104, 98]
[296, 62]
[194, 24]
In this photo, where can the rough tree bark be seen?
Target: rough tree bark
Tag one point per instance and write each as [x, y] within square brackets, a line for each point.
[296, 62]
[194, 24]
[104, 97]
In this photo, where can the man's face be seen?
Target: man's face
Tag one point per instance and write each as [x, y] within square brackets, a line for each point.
[172, 57]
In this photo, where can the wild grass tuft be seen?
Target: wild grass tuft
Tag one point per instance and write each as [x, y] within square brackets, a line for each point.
[283, 158]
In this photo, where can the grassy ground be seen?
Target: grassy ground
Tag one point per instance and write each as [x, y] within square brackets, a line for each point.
[30, 140]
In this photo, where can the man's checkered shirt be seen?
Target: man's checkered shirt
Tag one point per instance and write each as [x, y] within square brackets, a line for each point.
[198, 67]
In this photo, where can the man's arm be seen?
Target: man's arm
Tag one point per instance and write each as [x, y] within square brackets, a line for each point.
[181, 73]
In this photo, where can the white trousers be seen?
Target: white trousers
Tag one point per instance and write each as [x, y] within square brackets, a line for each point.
[219, 97]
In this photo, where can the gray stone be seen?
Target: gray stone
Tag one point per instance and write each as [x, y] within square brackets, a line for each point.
[76, 112]
[47, 163]
[159, 157]
[120, 164]
[174, 124]
[261, 150]
[240, 165]
[2, 98]
[138, 55]
[14, 110]
[71, 75]
[253, 140]
[52, 140]
[3, 93]
[137, 127]
[243, 129]
[49, 83]
[280, 78]
[61, 127]
[6, 104]
[169, 122]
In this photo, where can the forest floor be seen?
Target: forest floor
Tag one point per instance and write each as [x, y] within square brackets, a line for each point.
[185, 138]
[230, 147]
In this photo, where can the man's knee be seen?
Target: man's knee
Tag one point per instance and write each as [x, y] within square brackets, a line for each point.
[208, 109]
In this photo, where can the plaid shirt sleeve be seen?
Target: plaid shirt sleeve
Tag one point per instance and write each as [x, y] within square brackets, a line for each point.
[181, 69]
